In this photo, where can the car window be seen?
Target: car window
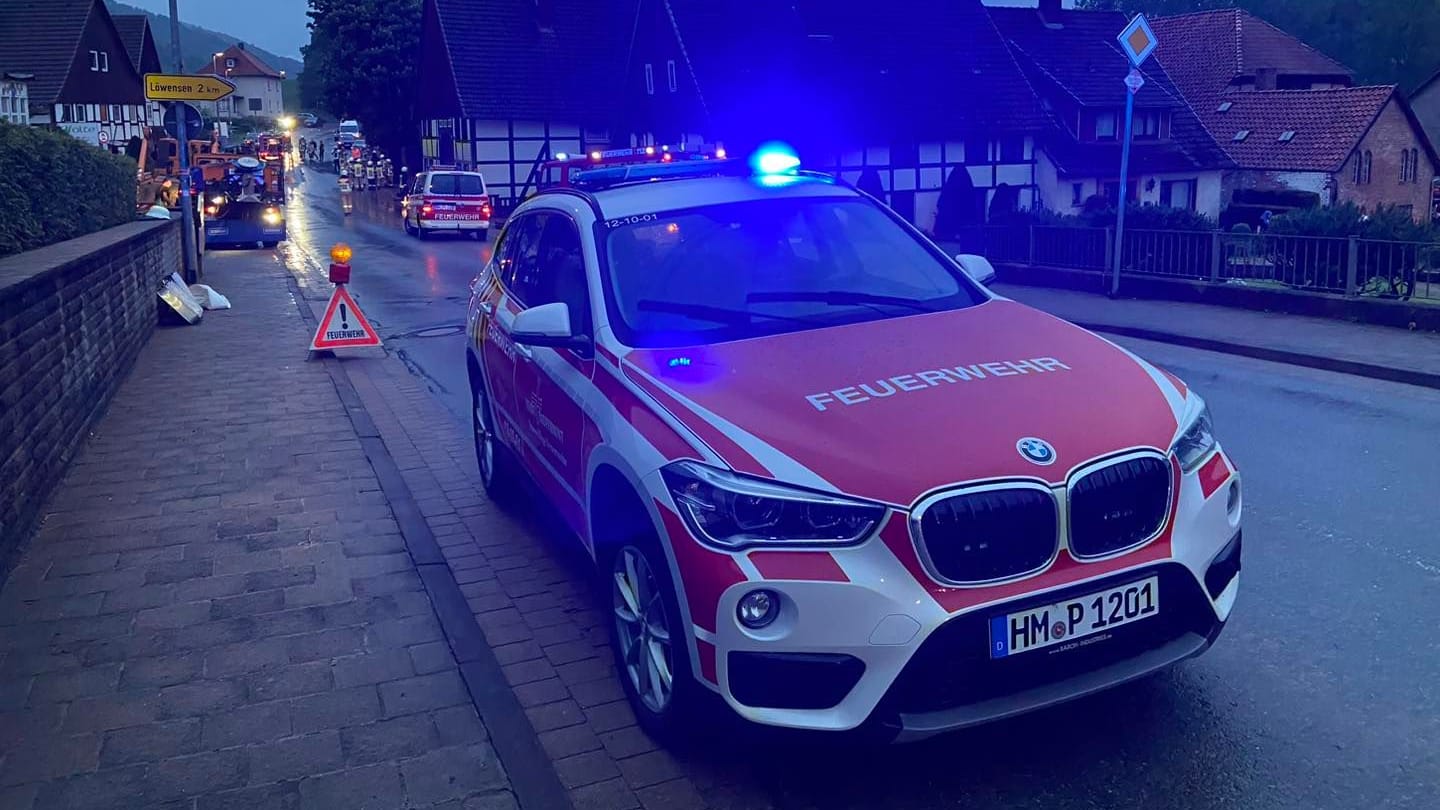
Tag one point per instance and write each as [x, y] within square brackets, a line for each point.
[738, 270]
[561, 271]
[521, 265]
[457, 184]
[419, 186]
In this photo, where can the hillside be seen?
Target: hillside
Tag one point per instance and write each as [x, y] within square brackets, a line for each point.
[198, 45]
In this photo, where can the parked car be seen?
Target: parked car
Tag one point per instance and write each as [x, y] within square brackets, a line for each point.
[827, 477]
[310, 120]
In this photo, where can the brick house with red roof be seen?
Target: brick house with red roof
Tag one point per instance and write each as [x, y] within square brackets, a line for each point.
[1076, 69]
[1298, 129]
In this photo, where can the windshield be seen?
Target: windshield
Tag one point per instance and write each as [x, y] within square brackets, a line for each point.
[739, 270]
[459, 184]
[349, 128]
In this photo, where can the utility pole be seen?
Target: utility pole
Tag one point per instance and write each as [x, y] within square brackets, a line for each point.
[187, 199]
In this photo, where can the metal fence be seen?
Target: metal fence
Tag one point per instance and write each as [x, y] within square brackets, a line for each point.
[1343, 265]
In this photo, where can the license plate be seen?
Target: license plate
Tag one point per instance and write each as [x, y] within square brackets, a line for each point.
[1073, 619]
[444, 207]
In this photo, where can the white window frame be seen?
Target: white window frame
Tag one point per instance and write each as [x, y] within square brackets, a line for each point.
[104, 61]
[649, 78]
[670, 73]
[229, 62]
[94, 61]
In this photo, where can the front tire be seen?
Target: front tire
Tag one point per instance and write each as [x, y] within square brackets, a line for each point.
[646, 634]
[498, 470]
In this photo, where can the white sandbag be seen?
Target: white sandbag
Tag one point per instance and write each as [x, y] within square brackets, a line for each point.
[208, 298]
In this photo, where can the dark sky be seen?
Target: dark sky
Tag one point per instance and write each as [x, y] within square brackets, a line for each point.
[275, 25]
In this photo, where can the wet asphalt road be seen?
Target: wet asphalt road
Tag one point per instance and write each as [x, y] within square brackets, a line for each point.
[1324, 691]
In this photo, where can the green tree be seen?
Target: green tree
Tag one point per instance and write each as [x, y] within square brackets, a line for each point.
[1389, 42]
[360, 64]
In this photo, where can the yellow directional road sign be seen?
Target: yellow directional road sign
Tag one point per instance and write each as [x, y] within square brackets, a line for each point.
[179, 87]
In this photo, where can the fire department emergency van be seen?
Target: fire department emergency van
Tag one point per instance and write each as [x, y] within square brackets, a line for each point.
[825, 473]
[447, 200]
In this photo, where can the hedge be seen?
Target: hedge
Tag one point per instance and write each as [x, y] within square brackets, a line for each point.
[54, 187]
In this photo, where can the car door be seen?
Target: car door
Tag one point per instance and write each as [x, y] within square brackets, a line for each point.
[550, 383]
[496, 306]
[412, 197]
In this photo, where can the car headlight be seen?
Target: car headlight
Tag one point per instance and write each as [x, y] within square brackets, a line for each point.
[273, 217]
[1196, 437]
[733, 512]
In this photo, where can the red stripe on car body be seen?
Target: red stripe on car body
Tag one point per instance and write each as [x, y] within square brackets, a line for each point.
[638, 416]
[707, 660]
[705, 573]
[1213, 474]
[806, 566]
[736, 456]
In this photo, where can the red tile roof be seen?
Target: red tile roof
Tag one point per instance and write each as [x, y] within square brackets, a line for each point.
[1327, 125]
[1208, 53]
[1208, 50]
[246, 63]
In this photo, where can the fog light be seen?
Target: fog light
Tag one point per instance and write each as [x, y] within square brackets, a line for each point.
[758, 609]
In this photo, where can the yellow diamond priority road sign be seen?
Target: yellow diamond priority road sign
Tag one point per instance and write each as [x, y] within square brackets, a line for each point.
[1138, 40]
[179, 87]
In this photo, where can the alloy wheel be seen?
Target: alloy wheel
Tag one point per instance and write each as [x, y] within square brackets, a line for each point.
[643, 629]
[484, 439]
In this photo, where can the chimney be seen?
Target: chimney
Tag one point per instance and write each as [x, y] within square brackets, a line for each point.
[1265, 78]
[1050, 9]
[241, 45]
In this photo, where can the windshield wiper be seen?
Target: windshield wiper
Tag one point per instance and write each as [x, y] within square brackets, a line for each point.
[840, 298]
[735, 317]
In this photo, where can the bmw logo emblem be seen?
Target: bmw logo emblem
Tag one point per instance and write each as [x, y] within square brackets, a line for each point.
[1037, 451]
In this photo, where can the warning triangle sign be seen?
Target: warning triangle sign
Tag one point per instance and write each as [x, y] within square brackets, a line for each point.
[343, 326]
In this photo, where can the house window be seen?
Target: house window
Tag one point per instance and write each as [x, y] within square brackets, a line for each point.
[1145, 126]
[1409, 165]
[977, 150]
[649, 78]
[1077, 194]
[95, 61]
[1178, 194]
[1012, 149]
[1112, 192]
[104, 62]
[670, 71]
[1105, 126]
[1362, 167]
[255, 105]
[229, 63]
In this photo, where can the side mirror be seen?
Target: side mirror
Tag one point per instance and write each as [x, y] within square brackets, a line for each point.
[547, 325]
[977, 267]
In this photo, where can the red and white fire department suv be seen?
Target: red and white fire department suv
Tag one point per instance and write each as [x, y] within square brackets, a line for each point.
[453, 201]
[827, 474]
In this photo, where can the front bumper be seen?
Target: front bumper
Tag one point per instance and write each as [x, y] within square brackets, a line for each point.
[868, 644]
[455, 224]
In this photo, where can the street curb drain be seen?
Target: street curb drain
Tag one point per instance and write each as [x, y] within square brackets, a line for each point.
[1422, 379]
[529, 768]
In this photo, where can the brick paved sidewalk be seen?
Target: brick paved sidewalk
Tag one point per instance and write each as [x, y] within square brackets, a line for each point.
[219, 610]
[530, 589]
